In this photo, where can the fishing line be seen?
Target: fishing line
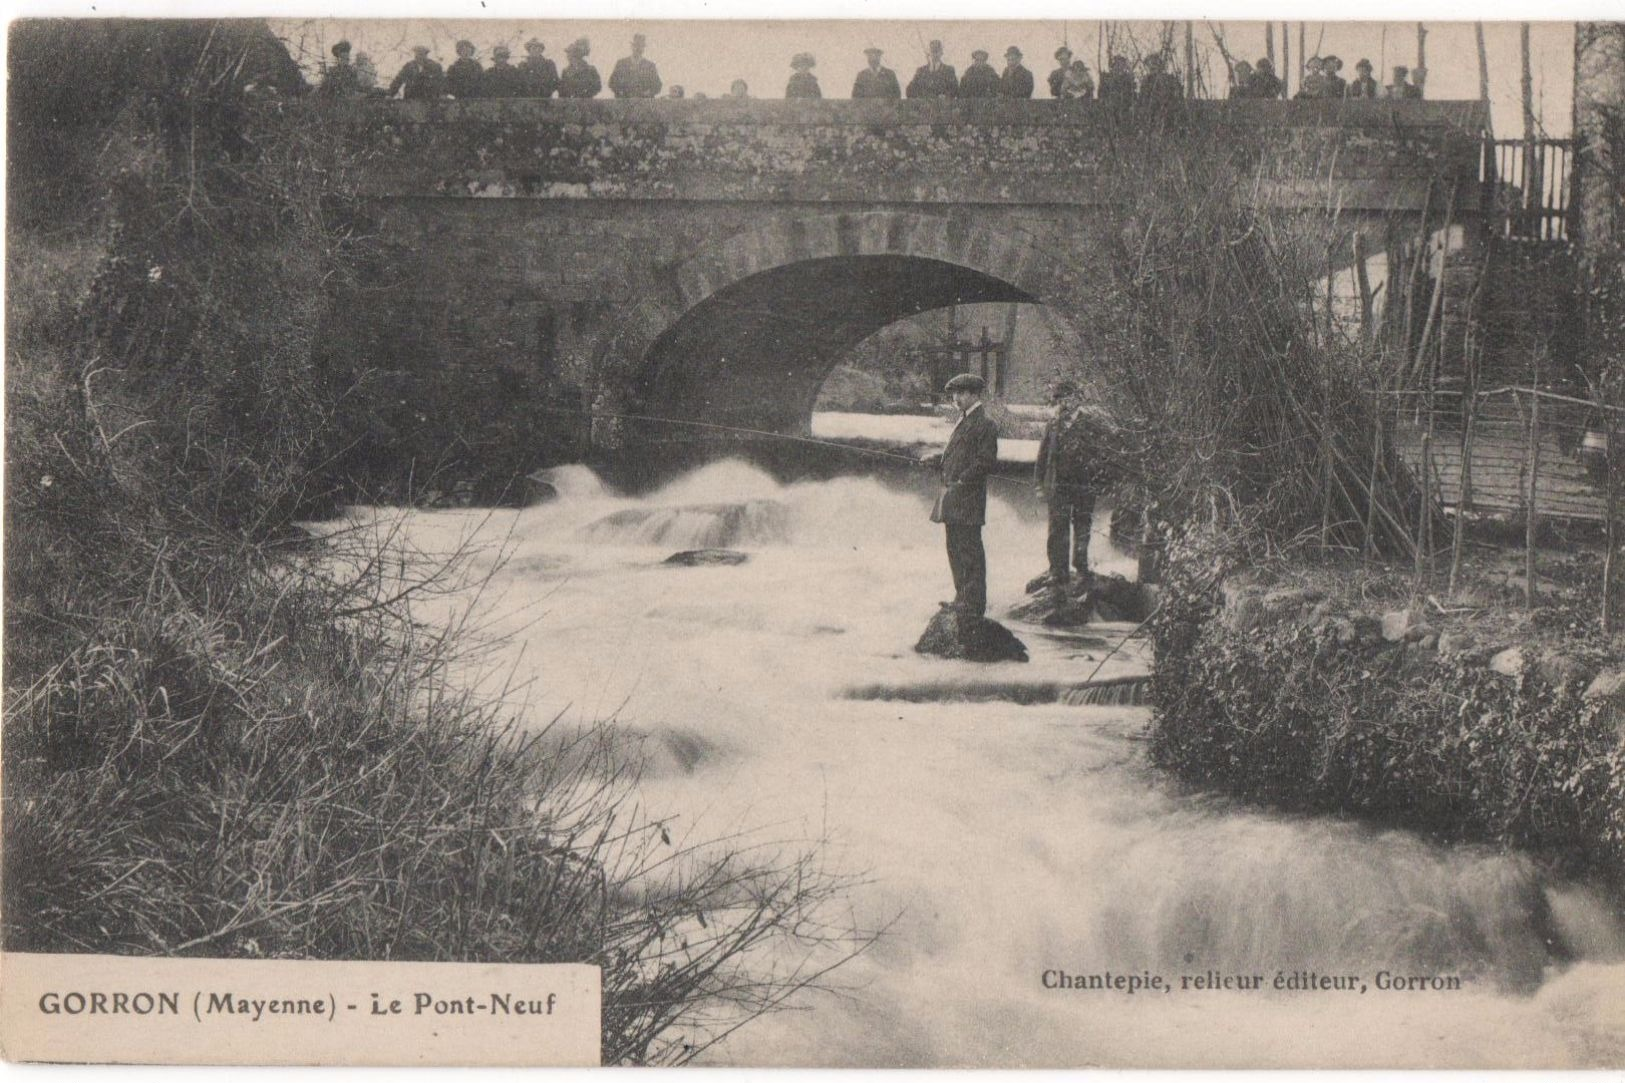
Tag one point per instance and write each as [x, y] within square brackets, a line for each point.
[715, 426]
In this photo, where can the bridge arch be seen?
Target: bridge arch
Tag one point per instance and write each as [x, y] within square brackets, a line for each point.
[745, 330]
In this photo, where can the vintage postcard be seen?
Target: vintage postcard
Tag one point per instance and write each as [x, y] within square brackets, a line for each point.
[814, 543]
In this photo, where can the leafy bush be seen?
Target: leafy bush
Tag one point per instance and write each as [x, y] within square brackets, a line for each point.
[224, 737]
[1302, 714]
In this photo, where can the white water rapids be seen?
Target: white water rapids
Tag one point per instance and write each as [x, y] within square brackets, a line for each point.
[1012, 840]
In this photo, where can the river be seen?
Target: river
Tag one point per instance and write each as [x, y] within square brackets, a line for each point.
[1008, 840]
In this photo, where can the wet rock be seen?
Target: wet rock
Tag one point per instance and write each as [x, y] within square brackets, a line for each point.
[1510, 662]
[1098, 598]
[694, 558]
[952, 634]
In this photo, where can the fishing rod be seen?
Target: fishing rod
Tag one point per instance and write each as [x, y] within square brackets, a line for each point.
[718, 427]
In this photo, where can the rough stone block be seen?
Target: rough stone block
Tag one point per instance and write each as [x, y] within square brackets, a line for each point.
[1510, 662]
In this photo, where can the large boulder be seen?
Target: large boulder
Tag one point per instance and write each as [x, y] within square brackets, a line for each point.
[952, 634]
[1076, 603]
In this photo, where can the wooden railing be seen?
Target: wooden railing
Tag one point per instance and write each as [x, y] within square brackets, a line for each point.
[1528, 188]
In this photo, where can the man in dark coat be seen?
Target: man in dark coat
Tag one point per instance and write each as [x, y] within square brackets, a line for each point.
[579, 78]
[979, 80]
[1063, 484]
[1117, 88]
[1015, 81]
[803, 84]
[876, 81]
[1364, 86]
[971, 454]
[1264, 83]
[502, 79]
[635, 76]
[1063, 57]
[340, 81]
[465, 77]
[421, 79]
[1160, 90]
[934, 79]
[541, 74]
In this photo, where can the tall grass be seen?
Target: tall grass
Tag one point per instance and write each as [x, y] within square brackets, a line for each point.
[224, 737]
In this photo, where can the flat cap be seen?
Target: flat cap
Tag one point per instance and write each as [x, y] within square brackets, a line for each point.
[872, 51]
[967, 381]
[978, 54]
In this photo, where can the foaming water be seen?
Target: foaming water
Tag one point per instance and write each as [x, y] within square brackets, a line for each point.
[1012, 839]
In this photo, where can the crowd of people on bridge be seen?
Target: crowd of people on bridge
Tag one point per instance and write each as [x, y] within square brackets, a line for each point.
[1119, 87]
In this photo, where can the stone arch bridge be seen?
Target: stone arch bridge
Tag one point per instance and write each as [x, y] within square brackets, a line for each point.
[714, 260]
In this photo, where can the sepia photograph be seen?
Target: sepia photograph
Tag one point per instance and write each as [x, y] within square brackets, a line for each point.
[816, 543]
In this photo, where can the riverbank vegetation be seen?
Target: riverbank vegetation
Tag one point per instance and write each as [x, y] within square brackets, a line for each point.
[1330, 686]
[1231, 392]
[223, 736]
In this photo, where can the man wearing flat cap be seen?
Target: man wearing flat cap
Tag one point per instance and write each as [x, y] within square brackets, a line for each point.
[1063, 484]
[934, 79]
[635, 76]
[541, 74]
[979, 80]
[969, 458]
[876, 81]
[1015, 81]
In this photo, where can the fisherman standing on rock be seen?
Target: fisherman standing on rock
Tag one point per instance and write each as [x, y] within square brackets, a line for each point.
[971, 454]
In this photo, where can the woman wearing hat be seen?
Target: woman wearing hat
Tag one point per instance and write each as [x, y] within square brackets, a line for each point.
[803, 83]
[1063, 57]
[979, 80]
[1015, 81]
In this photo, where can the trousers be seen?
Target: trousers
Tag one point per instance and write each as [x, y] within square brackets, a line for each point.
[967, 560]
[1071, 517]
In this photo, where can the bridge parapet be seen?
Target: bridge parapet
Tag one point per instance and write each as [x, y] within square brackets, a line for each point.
[1379, 155]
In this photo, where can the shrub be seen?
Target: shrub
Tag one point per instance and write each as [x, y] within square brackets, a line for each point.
[1302, 714]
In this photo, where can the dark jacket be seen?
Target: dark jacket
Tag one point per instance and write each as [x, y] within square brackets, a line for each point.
[942, 83]
[504, 81]
[876, 84]
[1364, 87]
[541, 77]
[971, 454]
[1263, 84]
[634, 77]
[803, 84]
[419, 80]
[1016, 82]
[465, 78]
[1056, 78]
[979, 81]
[579, 80]
[1059, 475]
